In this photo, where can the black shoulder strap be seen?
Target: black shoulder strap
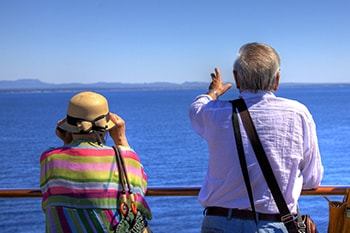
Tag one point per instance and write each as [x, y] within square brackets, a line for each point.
[265, 166]
[242, 159]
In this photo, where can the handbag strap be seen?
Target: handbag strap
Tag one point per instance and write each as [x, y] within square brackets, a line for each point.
[123, 175]
[287, 218]
[242, 159]
[125, 184]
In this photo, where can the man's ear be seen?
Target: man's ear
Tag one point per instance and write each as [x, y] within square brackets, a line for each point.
[277, 82]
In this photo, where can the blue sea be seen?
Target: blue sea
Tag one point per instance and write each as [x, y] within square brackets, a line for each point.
[159, 130]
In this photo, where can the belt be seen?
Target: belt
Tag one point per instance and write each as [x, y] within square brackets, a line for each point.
[242, 214]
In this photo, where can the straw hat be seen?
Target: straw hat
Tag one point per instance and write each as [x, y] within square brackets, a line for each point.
[87, 112]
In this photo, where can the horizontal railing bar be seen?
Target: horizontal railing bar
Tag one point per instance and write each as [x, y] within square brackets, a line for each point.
[174, 191]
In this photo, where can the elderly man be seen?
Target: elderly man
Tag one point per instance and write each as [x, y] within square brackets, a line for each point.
[287, 132]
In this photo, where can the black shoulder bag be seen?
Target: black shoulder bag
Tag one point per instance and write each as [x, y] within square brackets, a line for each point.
[303, 224]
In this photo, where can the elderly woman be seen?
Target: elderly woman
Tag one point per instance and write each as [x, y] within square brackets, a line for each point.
[79, 181]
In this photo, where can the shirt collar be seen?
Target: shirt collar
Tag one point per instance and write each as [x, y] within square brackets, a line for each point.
[259, 94]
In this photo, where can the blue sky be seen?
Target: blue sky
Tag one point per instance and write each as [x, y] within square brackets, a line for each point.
[139, 41]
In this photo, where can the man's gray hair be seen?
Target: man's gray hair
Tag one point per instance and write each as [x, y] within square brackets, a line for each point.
[256, 67]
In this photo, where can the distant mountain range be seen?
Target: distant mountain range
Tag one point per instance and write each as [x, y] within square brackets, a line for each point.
[31, 85]
[37, 85]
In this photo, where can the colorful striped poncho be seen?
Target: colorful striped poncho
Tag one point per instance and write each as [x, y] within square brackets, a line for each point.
[79, 184]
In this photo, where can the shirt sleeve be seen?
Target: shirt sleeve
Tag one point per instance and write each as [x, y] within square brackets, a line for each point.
[311, 166]
[197, 115]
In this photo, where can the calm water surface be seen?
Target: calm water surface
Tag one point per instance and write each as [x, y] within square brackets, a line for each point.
[158, 128]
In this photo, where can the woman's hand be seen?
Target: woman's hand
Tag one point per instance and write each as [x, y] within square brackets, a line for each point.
[217, 87]
[63, 135]
[117, 133]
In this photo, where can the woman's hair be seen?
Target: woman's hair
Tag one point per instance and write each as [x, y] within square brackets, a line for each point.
[256, 67]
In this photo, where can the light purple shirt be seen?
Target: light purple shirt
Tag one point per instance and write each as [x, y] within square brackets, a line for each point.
[288, 134]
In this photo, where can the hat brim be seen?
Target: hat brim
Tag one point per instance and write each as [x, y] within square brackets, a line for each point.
[74, 129]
